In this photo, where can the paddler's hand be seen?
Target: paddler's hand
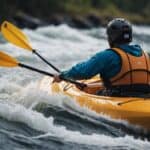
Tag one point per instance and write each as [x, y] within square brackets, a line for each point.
[82, 88]
[56, 78]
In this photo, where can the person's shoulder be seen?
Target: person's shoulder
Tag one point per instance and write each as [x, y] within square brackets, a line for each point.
[107, 54]
[105, 51]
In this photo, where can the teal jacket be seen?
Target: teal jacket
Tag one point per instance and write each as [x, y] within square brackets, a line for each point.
[106, 63]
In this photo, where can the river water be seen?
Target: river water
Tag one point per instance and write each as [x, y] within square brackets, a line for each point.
[31, 119]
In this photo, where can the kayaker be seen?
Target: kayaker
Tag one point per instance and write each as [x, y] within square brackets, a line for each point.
[124, 68]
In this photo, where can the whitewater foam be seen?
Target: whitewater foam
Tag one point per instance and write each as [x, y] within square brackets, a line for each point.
[35, 120]
[19, 96]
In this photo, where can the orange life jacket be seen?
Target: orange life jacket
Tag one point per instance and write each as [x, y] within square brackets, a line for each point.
[134, 70]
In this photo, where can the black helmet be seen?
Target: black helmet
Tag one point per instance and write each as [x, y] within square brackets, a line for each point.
[119, 31]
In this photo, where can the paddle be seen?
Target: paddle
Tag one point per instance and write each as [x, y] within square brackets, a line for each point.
[18, 38]
[8, 61]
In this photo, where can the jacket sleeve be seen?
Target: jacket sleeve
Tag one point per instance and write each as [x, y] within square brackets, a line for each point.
[89, 68]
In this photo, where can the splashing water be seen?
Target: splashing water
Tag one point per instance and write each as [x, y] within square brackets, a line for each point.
[32, 119]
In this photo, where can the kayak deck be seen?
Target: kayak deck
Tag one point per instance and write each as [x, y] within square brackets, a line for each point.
[134, 110]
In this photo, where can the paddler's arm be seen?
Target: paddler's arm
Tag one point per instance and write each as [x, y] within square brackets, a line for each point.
[83, 70]
[95, 65]
[86, 69]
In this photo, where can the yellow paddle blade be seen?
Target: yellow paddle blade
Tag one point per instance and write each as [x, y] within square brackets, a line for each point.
[14, 35]
[7, 61]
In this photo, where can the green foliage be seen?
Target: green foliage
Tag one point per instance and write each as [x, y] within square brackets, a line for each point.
[44, 8]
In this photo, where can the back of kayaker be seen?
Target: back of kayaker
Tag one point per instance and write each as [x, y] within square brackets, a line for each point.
[133, 77]
[124, 68]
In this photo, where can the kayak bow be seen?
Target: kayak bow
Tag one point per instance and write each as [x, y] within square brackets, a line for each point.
[135, 110]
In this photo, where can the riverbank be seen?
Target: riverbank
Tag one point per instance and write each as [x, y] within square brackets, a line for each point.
[85, 21]
[79, 14]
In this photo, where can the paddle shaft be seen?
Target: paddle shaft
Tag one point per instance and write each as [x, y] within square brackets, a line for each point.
[36, 53]
[82, 85]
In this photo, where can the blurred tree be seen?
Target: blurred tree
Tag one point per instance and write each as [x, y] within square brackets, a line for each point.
[43, 8]
[100, 3]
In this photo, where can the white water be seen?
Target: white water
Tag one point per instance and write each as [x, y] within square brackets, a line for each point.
[17, 112]
[63, 46]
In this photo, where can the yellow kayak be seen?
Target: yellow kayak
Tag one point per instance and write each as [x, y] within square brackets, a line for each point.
[136, 111]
